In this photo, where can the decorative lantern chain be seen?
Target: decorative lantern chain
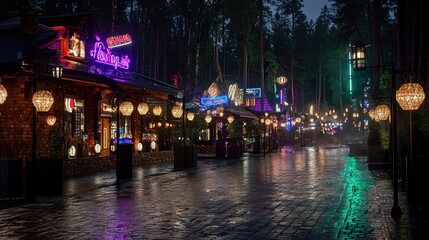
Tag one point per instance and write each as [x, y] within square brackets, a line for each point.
[410, 96]
[126, 108]
[43, 100]
[143, 108]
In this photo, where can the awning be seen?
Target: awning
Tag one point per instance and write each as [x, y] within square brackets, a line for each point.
[239, 112]
[118, 81]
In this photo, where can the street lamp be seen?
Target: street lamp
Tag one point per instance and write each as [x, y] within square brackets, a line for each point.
[359, 63]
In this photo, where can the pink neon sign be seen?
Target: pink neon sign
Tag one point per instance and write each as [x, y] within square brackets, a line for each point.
[117, 41]
[104, 55]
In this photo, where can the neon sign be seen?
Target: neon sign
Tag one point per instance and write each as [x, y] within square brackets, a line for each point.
[117, 41]
[223, 99]
[253, 92]
[104, 55]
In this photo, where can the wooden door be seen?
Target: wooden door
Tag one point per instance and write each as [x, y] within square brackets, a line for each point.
[105, 136]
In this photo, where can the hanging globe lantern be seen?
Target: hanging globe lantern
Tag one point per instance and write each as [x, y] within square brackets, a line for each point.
[410, 96]
[42, 100]
[382, 112]
[143, 108]
[283, 124]
[3, 93]
[268, 121]
[190, 116]
[298, 119]
[126, 108]
[177, 111]
[230, 119]
[157, 110]
[208, 118]
[50, 120]
[281, 80]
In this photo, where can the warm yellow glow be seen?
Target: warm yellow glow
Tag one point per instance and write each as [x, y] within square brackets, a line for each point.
[3, 93]
[281, 80]
[157, 110]
[43, 100]
[177, 111]
[382, 112]
[230, 119]
[126, 108]
[410, 96]
[208, 118]
[143, 108]
[190, 116]
[50, 120]
[298, 119]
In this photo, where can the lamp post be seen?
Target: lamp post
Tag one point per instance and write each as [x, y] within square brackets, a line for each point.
[42, 101]
[359, 63]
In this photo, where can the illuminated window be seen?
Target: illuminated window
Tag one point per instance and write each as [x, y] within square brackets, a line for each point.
[76, 46]
[74, 116]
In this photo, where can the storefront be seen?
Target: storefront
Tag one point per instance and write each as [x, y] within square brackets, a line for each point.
[86, 87]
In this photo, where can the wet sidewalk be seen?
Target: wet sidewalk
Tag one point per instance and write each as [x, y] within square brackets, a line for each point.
[310, 194]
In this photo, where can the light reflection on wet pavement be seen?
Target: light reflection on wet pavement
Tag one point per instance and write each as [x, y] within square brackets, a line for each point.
[319, 193]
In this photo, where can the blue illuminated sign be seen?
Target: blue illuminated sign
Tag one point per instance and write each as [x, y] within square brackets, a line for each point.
[253, 92]
[214, 101]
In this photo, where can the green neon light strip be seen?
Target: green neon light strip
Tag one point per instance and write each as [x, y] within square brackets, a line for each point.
[350, 72]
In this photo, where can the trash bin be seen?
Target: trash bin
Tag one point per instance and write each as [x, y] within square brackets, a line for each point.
[220, 148]
[185, 156]
[124, 167]
[233, 149]
[49, 176]
[10, 177]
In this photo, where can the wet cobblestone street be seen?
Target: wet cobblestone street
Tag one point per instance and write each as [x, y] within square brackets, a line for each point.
[318, 193]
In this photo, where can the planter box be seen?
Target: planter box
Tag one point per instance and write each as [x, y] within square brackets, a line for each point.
[185, 156]
[49, 176]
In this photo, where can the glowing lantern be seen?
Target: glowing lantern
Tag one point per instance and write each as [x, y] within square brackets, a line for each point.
[298, 119]
[281, 80]
[190, 116]
[382, 112]
[208, 118]
[157, 110]
[230, 119]
[139, 146]
[97, 148]
[410, 96]
[177, 111]
[3, 93]
[126, 108]
[358, 55]
[42, 100]
[143, 108]
[283, 124]
[267, 121]
[50, 120]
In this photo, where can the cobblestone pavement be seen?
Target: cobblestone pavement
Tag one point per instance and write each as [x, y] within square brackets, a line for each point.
[312, 194]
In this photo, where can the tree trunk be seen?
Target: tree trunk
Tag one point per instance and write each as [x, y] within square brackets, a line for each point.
[219, 71]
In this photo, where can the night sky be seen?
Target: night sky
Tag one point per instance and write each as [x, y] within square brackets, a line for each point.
[312, 8]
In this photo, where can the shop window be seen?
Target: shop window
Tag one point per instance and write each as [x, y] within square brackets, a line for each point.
[125, 133]
[74, 116]
[76, 46]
